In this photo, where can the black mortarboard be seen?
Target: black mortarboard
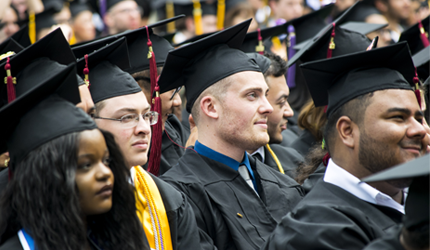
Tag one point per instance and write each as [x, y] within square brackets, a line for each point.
[186, 6]
[137, 46]
[362, 10]
[77, 7]
[337, 80]
[417, 36]
[308, 25]
[262, 61]
[34, 120]
[56, 5]
[21, 36]
[252, 39]
[417, 201]
[318, 47]
[102, 6]
[200, 64]
[43, 20]
[358, 27]
[422, 62]
[106, 76]
[52, 54]
[9, 45]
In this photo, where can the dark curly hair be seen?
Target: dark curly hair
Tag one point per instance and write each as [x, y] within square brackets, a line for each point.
[43, 198]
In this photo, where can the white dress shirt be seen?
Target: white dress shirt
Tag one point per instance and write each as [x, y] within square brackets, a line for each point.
[260, 151]
[348, 182]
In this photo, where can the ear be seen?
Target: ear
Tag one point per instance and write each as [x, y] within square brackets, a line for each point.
[348, 131]
[189, 24]
[209, 107]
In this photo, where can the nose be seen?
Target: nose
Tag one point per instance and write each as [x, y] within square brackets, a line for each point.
[103, 172]
[288, 111]
[417, 130]
[177, 100]
[265, 107]
[142, 127]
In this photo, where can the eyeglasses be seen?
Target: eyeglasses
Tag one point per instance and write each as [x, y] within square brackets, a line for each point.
[131, 120]
[175, 92]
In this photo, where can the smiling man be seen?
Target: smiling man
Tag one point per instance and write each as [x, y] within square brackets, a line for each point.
[281, 158]
[374, 122]
[236, 199]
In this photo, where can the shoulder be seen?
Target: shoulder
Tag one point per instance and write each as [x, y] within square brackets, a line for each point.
[266, 173]
[172, 198]
[12, 244]
[388, 242]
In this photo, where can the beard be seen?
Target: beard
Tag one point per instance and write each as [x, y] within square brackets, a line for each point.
[373, 156]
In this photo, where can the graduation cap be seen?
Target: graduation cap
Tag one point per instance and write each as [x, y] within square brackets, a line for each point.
[9, 47]
[43, 19]
[200, 64]
[254, 41]
[52, 52]
[22, 37]
[422, 62]
[417, 36]
[308, 25]
[137, 43]
[42, 113]
[104, 68]
[262, 61]
[362, 10]
[102, 6]
[77, 7]
[323, 44]
[337, 80]
[56, 5]
[417, 201]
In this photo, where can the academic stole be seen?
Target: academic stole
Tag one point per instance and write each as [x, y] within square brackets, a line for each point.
[25, 239]
[151, 211]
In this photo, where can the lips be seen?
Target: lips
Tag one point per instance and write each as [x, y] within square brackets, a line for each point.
[106, 191]
[261, 123]
[141, 144]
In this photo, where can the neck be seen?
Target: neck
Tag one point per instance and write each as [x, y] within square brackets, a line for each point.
[214, 143]
[393, 23]
[384, 187]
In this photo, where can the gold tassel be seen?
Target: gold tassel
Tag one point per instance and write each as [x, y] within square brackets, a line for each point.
[220, 14]
[170, 12]
[197, 13]
[32, 27]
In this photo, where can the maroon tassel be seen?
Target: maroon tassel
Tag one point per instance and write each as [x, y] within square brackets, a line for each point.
[260, 47]
[155, 154]
[86, 71]
[325, 109]
[417, 88]
[326, 158]
[9, 80]
[423, 36]
[331, 45]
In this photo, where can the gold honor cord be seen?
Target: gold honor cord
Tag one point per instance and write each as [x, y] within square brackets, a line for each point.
[170, 12]
[151, 211]
[220, 14]
[32, 27]
[278, 163]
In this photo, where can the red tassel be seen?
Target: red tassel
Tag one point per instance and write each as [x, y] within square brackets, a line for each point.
[325, 109]
[326, 158]
[417, 87]
[331, 45]
[86, 71]
[155, 154]
[423, 35]
[9, 80]
[260, 47]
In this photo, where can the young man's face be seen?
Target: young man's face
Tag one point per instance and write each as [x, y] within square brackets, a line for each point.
[399, 9]
[133, 139]
[277, 97]
[392, 130]
[244, 111]
[123, 16]
[287, 9]
[168, 104]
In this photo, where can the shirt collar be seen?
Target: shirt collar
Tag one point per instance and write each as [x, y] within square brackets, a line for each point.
[348, 182]
[260, 151]
[214, 155]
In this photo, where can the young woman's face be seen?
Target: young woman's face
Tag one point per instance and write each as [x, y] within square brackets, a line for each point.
[94, 178]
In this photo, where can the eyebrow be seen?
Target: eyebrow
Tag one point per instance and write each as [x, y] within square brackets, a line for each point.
[92, 109]
[406, 111]
[282, 96]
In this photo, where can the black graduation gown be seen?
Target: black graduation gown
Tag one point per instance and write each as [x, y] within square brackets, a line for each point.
[170, 153]
[226, 208]
[388, 242]
[183, 227]
[313, 178]
[288, 137]
[304, 142]
[288, 157]
[4, 179]
[332, 218]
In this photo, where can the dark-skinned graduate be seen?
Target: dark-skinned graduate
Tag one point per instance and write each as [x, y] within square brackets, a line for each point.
[237, 200]
[413, 233]
[374, 122]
